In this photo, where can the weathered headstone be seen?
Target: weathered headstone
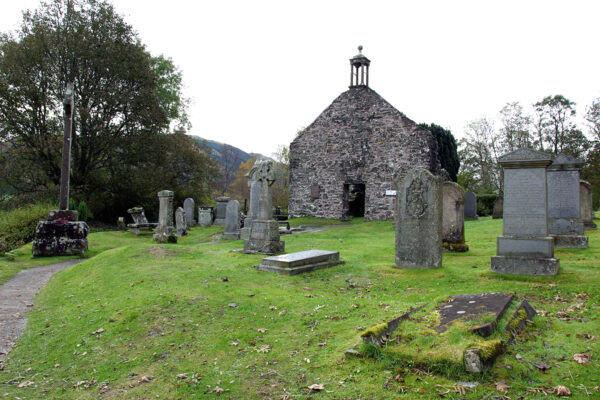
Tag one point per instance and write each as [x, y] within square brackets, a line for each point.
[419, 220]
[189, 206]
[139, 221]
[586, 205]
[254, 187]
[263, 236]
[453, 228]
[165, 231]
[299, 262]
[498, 210]
[525, 247]
[471, 206]
[62, 234]
[180, 222]
[121, 224]
[232, 220]
[221, 210]
[564, 212]
[205, 215]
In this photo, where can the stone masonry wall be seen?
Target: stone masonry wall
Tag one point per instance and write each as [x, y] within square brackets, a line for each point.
[359, 138]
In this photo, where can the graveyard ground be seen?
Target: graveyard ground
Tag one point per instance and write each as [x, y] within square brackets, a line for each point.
[140, 320]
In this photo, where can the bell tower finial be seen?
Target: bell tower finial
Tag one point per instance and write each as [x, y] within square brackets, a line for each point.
[359, 69]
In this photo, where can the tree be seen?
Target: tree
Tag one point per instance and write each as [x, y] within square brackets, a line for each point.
[124, 97]
[239, 188]
[479, 153]
[281, 187]
[556, 127]
[447, 149]
[515, 131]
[592, 117]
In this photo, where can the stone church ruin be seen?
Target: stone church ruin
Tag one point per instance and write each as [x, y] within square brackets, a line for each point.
[345, 164]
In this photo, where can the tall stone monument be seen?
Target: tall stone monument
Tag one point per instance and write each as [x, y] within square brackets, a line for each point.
[180, 222]
[264, 230]
[189, 206]
[221, 210]
[255, 190]
[564, 209]
[205, 215]
[471, 206]
[62, 234]
[419, 220]
[498, 210]
[525, 248]
[586, 205]
[232, 220]
[165, 231]
[453, 213]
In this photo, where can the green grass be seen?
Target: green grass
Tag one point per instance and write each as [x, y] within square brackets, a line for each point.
[164, 311]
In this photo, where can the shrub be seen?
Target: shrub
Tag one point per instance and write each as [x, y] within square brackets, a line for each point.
[84, 212]
[17, 227]
[72, 204]
[485, 203]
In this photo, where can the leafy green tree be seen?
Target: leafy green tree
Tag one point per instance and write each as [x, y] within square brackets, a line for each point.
[515, 131]
[123, 97]
[591, 169]
[556, 126]
[480, 149]
[447, 149]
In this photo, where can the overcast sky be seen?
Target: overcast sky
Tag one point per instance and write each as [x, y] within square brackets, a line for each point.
[257, 71]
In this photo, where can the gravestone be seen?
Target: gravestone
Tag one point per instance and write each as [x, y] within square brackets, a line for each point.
[453, 221]
[498, 209]
[205, 215]
[586, 205]
[263, 234]
[299, 262]
[232, 220]
[419, 220]
[471, 206]
[180, 222]
[254, 187]
[62, 234]
[525, 248]
[139, 221]
[121, 224]
[165, 231]
[473, 317]
[221, 210]
[189, 205]
[564, 212]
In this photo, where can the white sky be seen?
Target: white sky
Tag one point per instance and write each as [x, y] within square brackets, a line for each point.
[257, 71]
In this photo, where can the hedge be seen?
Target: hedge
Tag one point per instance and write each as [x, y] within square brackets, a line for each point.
[17, 226]
[485, 203]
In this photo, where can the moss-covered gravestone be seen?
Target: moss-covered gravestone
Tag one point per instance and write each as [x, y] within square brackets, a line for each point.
[459, 333]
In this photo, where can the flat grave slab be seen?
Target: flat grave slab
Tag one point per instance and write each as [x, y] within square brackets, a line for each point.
[302, 261]
[462, 331]
[467, 307]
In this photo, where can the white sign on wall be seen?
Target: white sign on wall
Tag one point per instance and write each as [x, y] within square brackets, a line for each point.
[390, 192]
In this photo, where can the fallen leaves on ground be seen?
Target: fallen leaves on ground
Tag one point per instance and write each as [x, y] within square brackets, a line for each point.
[562, 390]
[262, 330]
[581, 358]
[542, 366]
[25, 384]
[181, 376]
[265, 348]
[501, 386]
[98, 331]
[146, 378]
[316, 387]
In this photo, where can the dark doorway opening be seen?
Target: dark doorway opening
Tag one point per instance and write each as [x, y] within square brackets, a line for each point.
[354, 199]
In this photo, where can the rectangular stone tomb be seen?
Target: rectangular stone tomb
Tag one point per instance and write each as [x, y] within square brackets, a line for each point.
[467, 307]
[460, 331]
[302, 261]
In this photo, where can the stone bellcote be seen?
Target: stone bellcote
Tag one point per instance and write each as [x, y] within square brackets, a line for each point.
[359, 69]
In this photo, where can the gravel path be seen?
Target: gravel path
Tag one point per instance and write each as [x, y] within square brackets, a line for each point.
[16, 298]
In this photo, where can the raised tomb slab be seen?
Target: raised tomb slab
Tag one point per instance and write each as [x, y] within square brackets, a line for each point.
[299, 262]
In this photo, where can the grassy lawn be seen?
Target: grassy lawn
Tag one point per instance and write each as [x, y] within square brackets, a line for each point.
[139, 320]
